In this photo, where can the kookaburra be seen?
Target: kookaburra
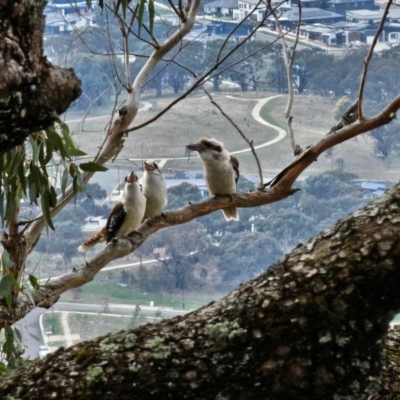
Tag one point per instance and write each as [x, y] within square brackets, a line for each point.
[154, 189]
[221, 170]
[125, 216]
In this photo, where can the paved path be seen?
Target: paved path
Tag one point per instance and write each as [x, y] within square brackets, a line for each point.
[65, 328]
[255, 113]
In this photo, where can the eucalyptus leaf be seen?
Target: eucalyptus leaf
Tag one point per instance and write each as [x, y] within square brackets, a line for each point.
[5, 259]
[92, 167]
[6, 286]
[46, 209]
[34, 282]
[64, 180]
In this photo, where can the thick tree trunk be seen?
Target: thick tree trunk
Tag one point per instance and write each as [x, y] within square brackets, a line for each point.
[312, 327]
[32, 91]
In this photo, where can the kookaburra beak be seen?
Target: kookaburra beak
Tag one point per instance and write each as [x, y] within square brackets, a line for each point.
[148, 167]
[131, 177]
[196, 147]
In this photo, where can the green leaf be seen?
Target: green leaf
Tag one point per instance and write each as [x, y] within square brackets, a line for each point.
[92, 167]
[29, 293]
[17, 335]
[3, 368]
[9, 301]
[2, 208]
[74, 152]
[22, 177]
[6, 286]
[35, 152]
[152, 14]
[81, 184]
[56, 141]
[5, 260]
[49, 152]
[124, 7]
[46, 210]
[34, 282]
[141, 14]
[64, 180]
[14, 281]
[52, 197]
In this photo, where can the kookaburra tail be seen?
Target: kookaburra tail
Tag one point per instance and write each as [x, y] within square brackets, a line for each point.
[221, 170]
[124, 218]
[154, 189]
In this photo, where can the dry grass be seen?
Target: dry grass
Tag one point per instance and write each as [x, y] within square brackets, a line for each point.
[196, 117]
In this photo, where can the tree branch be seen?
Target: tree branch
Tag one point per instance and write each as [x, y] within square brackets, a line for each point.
[311, 327]
[368, 59]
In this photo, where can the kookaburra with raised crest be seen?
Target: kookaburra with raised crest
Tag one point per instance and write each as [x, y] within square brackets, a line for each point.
[154, 189]
[125, 216]
[221, 170]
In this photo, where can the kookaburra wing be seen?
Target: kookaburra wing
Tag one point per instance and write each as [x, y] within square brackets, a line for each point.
[125, 216]
[221, 170]
[154, 189]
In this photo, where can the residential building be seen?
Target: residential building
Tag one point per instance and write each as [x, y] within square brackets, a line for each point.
[310, 15]
[342, 6]
[221, 7]
[257, 9]
[63, 17]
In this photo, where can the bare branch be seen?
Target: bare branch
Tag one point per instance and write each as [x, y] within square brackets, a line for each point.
[288, 60]
[368, 59]
[113, 142]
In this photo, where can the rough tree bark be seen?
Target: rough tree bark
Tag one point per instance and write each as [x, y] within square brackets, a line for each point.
[33, 92]
[311, 327]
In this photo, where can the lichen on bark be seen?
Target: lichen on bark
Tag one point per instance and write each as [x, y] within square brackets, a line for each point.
[311, 327]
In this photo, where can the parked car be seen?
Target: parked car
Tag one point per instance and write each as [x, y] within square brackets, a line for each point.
[43, 351]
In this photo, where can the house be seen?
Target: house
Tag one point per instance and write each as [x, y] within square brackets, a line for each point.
[221, 7]
[63, 17]
[310, 15]
[364, 16]
[342, 6]
[224, 28]
[245, 7]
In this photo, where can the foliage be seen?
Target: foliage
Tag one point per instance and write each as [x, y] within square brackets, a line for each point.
[182, 194]
[26, 172]
[340, 107]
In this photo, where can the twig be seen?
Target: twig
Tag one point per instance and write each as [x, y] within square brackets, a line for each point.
[288, 60]
[368, 59]
[249, 142]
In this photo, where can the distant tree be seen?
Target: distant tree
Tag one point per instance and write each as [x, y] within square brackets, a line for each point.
[341, 106]
[182, 194]
[180, 250]
[65, 240]
[330, 184]
[307, 64]
[249, 67]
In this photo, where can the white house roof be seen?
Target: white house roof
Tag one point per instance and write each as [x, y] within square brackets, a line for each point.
[309, 13]
[362, 14]
[254, 3]
[222, 4]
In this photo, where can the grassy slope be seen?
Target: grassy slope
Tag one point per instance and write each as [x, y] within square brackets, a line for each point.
[196, 117]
